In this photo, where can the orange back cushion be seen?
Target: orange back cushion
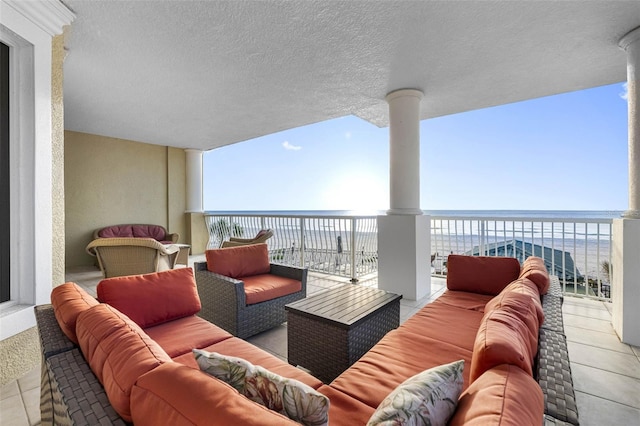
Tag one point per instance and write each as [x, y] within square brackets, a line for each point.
[481, 274]
[152, 299]
[504, 395]
[523, 307]
[502, 338]
[525, 286]
[118, 352]
[237, 262]
[68, 301]
[534, 269]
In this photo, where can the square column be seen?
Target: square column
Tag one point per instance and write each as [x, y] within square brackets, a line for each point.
[625, 287]
[404, 246]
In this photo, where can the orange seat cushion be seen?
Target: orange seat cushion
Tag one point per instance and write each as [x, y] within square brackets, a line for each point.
[118, 352]
[239, 348]
[504, 395]
[465, 300]
[176, 395]
[503, 338]
[179, 336]
[242, 261]
[534, 269]
[69, 300]
[152, 299]
[481, 274]
[345, 410]
[260, 288]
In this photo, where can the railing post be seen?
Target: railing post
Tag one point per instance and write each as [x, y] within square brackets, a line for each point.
[302, 242]
[482, 231]
[354, 268]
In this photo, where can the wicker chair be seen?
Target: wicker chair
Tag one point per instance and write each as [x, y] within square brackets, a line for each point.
[261, 237]
[224, 301]
[132, 256]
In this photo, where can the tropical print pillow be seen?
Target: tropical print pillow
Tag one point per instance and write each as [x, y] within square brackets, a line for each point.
[289, 397]
[428, 398]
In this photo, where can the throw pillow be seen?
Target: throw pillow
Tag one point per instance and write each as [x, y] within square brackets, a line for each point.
[428, 398]
[289, 397]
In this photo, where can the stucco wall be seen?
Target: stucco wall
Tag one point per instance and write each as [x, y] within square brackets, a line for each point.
[111, 181]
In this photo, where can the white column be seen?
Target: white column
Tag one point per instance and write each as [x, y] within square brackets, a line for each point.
[194, 181]
[625, 286]
[631, 44]
[404, 234]
[404, 155]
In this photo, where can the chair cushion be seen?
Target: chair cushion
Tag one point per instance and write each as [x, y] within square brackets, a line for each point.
[152, 299]
[260, 288]
[156, 232]
[481, 274]
[504, 395]
[242, 261]
[68, 301]
[534, 269]
[118, 352]
[115, 231]
[179, 336]
[347, 409]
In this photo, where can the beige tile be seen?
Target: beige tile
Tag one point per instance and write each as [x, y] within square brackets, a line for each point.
[585, 311]
[9, 390]
[30, 380]
[588, 323]
[589, 303]
[407, 312]
[12, 412]
[593, 411]
[604, 384]
[596, 338]
[31, 400]
[604, 359]
[636, 350]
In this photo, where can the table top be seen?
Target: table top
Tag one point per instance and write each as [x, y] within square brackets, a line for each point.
[343, 306]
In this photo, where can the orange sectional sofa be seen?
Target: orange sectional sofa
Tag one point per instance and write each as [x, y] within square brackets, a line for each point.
[128, 357]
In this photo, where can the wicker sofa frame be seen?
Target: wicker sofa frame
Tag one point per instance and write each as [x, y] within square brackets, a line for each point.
[224, 302]
[72, 395]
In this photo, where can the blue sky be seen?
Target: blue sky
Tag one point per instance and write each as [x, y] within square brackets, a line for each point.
[563, 152]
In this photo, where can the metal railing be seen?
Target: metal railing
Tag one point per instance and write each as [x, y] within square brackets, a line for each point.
[578, 251]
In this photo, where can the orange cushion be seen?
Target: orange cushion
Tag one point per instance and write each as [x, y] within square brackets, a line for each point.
[504, 395]
[68, 301]
[345, 410]
[176, 395]
[481, 274]
[152, 299]
[502, 339]
[465, 300]
[259, 288]
[179, 336]
[526, 286]
[534, 269]
[523, 307]
[242, 261]
[239, 348]
[118, 352]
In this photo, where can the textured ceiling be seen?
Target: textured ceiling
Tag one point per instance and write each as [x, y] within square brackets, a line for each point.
[203, 74]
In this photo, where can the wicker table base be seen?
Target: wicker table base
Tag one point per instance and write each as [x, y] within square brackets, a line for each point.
[330, 331]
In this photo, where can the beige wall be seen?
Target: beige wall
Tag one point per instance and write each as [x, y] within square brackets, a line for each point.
[112, 181]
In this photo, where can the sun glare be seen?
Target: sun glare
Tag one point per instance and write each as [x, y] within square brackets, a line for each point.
[356, 192]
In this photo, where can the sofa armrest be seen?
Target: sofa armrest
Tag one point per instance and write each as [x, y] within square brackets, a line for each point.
[173, 237]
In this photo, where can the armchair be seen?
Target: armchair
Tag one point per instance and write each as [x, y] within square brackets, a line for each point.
[245, 294]
[261, 237]
[132, 256]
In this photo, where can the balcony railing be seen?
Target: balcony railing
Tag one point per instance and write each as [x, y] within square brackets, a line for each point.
[578, 251]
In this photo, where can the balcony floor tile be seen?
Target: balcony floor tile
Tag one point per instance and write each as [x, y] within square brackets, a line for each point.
[594, 411]
[604, 359]
[614, 387]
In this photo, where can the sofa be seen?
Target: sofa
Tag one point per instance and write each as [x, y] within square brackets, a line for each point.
[127, 356]
[156, 232]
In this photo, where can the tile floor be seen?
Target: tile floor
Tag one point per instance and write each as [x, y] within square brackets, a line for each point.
[606, 373]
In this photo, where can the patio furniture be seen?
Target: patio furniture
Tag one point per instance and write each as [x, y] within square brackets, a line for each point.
[183, 254]
[261, 237]
[330, 331]
[132, 256]
[245, 294]
[156, 232]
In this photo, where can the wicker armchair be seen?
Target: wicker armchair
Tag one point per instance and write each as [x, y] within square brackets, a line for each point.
[261, 237]
[132, 256]
[157, 232]
[224, 301]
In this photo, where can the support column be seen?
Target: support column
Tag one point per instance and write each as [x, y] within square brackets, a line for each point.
[194, 181]
[626, 231]
[404, 234]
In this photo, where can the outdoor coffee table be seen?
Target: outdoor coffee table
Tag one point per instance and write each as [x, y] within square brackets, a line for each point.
[329, 331]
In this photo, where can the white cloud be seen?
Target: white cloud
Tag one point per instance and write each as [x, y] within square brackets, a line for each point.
[625, 95]
[291, 147]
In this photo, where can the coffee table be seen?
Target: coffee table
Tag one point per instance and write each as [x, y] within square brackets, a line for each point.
[329, 331]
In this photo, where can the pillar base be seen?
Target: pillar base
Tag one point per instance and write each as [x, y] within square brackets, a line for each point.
[404, 246]
[625, 286]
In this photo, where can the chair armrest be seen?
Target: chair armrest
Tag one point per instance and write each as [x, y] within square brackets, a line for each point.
[131, 241]
[241, 240]
[173, 237]
[228, 290]
[226, 244]
[293, 272]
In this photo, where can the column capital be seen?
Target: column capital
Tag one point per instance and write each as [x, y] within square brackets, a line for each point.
[629, 38]
[194, 150]
[404, 92]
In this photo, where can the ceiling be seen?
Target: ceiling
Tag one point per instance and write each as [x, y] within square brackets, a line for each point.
[203, 74]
